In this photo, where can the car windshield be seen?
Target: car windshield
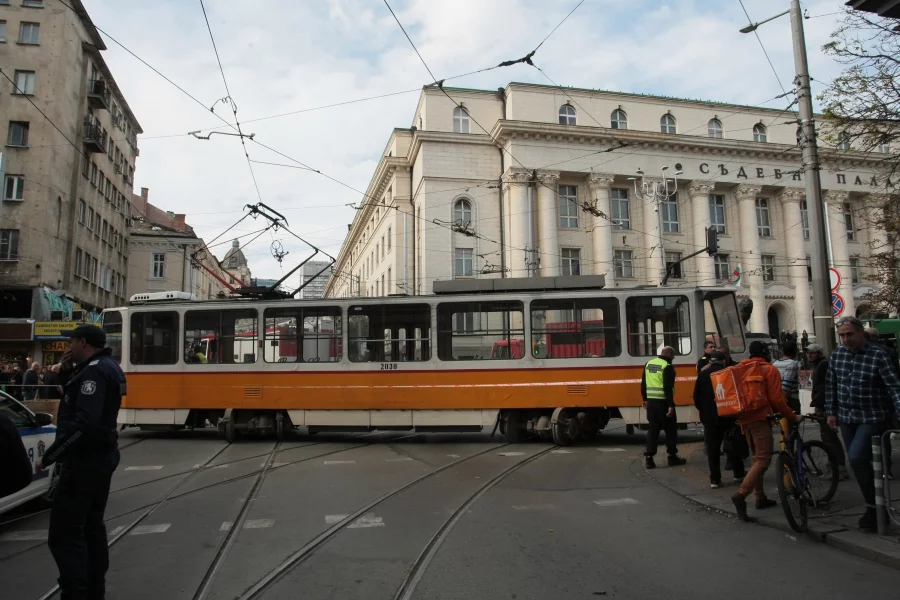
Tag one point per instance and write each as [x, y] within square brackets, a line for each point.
[17, 413]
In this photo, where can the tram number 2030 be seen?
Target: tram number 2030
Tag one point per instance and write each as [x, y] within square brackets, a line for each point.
[388, 366]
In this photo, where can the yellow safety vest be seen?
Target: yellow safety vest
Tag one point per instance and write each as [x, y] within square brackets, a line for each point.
[653, 378]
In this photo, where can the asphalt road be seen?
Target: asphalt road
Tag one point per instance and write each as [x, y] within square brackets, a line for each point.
[434, 516]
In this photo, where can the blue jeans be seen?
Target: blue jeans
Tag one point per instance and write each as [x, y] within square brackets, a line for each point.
[858, 440]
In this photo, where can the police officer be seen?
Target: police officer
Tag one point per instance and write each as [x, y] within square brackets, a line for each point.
[87, 450]
[658, 391]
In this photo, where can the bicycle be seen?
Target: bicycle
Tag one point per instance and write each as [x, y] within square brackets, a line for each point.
[809, 473]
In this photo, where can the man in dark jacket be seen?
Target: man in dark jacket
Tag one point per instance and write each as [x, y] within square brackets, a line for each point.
[819, 364]
[708, 348]
[714, 426]
[658, 391]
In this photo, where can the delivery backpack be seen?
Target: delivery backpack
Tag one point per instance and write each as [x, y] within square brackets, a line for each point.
[740, 389]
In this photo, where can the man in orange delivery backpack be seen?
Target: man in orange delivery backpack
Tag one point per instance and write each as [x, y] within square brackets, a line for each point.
[757, 429]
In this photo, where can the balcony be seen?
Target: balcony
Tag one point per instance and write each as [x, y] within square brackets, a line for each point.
[94, 137]
[98, 94]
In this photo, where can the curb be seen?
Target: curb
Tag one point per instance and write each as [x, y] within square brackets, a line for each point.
[864, 545]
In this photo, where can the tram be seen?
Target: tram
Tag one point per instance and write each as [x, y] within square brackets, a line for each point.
[452, 361]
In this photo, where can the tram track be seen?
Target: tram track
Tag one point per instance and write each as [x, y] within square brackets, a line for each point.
[423, 560]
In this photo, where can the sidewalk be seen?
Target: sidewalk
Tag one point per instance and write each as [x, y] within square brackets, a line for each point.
[835, 524]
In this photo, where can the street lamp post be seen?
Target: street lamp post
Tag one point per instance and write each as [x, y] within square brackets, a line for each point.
[657, 192]
[821, 285]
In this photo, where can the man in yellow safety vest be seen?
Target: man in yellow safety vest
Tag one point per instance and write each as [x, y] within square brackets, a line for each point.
[658, 391]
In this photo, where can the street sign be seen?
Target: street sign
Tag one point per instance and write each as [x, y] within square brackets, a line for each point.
[835, 278]
[837, 305]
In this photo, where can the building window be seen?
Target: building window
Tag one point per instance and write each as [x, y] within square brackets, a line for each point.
[667, 124]
[14, 188]
[97, 220]
[2, 30]
[624, 263]
[620, 212]
[158, 266]
[81, 207]
[460, 120]
[382, 247]
[568, 206]
[571, 261]
[390, 283]
[669, 208]
[717, 212]
[804, 219]
[104, 231]
[566, 115]
[848, 222]
[673, 266]
[722, 270]
[714, 128]
[844, 141]
[808, 269]
[90, 219]
[759, 133]
[24, 83]
[855, 271]
[28, 33]
[94, 173]
[763, 224]
[462, 262]
[768, 267]
[79, 261]
[18, 134]
[884, 147]
[33, 3]
[462, 213]
[618, 119]
[390, 242]
[9, 245]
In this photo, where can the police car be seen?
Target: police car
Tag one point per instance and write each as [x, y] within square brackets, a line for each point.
[37, 433]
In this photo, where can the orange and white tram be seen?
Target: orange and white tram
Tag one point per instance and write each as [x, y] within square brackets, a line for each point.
[452, 361]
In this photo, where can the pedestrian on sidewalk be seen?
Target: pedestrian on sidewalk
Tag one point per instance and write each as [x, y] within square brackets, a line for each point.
[708, 348]
[789, 368]
[758, 431]
[861, 394]
[658, 391]
[819, 363]
[714, 426]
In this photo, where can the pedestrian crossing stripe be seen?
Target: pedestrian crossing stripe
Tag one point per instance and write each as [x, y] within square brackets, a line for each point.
[363, 522]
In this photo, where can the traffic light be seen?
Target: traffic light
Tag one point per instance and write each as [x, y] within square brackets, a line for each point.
[712, 241]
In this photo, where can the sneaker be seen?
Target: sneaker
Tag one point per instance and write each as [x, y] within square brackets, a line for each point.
[674, 460]
[649, 463]
[715, 484]
[868, 523]
[764, 503]
[741, 505]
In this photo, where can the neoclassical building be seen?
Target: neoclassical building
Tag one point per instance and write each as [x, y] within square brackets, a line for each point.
[535, 180]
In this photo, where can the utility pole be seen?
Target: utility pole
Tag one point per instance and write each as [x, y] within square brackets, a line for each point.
[821, 280]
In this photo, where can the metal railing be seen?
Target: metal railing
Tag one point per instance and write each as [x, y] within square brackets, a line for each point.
[39, 391]
[884, 510]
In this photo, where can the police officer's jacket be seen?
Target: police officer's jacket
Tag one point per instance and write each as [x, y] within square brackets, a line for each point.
[658, 381]
[86, 422]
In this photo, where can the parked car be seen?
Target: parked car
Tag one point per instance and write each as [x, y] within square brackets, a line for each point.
[37, 433]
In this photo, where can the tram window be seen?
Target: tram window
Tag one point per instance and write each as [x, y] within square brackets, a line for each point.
[481, 330]
[577, 328]
[318, 339]
[729, 332]
[656, 321]
[389, 334]
[154, 338]
[112, 326]
[213, 337]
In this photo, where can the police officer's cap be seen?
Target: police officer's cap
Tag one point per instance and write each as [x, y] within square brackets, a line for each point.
[91, 334]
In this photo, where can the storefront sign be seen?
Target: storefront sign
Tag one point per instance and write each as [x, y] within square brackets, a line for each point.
[52, 330]
[55, 346]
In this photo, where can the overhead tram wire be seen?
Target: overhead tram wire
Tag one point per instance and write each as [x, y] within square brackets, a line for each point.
[761, 45]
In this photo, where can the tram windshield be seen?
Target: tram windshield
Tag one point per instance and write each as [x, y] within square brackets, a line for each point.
[728, 320]
[112, 325]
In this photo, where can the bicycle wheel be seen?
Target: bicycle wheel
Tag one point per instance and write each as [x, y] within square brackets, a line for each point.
[820, 470]
[792, 500]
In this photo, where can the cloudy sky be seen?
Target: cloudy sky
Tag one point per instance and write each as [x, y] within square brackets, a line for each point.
[293, 58]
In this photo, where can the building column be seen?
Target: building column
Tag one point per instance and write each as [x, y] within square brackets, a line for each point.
[840, 254]
[599, 185]
[796, 260]
[699, 192]
[751, 263]
[518, 218]
[653, 242]
[547, 241]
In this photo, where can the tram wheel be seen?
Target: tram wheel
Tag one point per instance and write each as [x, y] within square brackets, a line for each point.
[515, 428]
[279, 427]
[230, 433]
[564, 429]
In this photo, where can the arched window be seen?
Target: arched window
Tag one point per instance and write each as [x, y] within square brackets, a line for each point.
[618, 119]
[884, 147]
[667, 123]
[462, 212]
[759, 133]
[566, 114]
[844, 141]
[715, 128]
[460, 120]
